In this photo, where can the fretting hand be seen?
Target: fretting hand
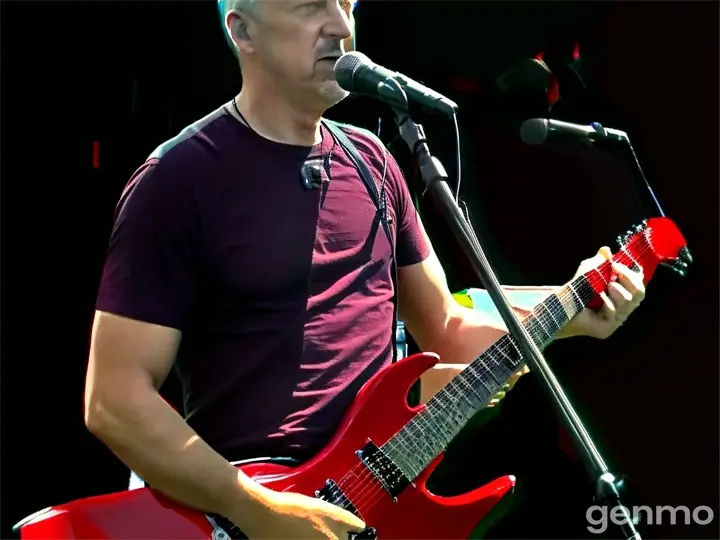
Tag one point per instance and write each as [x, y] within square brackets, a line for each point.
[624, 294]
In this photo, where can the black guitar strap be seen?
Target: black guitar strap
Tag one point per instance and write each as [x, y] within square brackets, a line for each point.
[338, 131]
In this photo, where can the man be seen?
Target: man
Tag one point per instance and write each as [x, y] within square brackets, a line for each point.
[273, 301]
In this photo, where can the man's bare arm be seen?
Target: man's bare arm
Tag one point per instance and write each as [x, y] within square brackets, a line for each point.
[128, 362]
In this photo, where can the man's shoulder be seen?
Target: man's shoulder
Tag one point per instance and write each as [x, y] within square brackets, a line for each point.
[193, 152]
[204, 136]
[174, 166]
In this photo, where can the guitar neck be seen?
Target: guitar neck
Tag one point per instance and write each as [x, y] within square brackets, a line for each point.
[429, 433]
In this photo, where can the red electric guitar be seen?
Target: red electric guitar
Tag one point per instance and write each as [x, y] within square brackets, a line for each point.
[378, 462]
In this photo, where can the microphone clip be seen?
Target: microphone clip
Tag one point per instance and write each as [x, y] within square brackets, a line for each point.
[311, 176]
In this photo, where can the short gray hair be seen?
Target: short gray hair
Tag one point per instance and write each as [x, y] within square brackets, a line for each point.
[243, 6]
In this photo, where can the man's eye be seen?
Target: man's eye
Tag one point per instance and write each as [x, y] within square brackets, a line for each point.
[312, 7]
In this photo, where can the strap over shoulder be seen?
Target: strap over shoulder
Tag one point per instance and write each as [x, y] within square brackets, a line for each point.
[339, 131]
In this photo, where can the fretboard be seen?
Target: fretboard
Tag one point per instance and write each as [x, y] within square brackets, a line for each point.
[430, 432]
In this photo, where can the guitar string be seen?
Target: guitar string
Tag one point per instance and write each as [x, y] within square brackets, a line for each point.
[540, 316]
[364, 504]
[361, 488]
[363, 501]
[537, 316]
[359, 494]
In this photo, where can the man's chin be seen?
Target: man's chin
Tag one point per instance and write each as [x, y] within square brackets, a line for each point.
[331, 92]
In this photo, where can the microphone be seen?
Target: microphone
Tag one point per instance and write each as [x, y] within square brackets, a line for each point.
[356, 73]
[540, 130]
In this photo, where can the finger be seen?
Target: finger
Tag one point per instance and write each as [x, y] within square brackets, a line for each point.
[634, 269]
[632, 281]
[595, 261]
[607, 311]
[623, 301]
[620, 296]
[605, 252]
[353, 523]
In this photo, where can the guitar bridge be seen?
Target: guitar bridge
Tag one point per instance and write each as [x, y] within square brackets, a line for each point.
[384, 469]
[224, 529]
[333, 494]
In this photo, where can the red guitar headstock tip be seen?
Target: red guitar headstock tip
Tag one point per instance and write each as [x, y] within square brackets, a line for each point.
[656, 241]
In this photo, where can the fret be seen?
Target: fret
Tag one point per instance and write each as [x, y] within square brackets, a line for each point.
[536, 330]
[631, 262]
[554, 307]
[417, 444]
[576, 297]
[585, 291]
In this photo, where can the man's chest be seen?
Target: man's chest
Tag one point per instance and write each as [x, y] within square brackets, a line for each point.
[273, 238]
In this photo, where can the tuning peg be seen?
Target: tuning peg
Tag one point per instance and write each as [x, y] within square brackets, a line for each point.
[685, 256]
[680, 268]
[677, 266]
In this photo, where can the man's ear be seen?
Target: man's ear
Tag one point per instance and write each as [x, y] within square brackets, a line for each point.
[237, 31]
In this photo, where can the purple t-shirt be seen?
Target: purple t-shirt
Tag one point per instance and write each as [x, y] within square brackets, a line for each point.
[283, 294]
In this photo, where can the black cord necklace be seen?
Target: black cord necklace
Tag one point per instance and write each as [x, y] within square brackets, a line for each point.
[326, 159]
[237, 110]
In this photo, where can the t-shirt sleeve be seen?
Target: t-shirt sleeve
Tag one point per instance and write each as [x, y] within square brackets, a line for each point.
[149, 268]
[412, 245]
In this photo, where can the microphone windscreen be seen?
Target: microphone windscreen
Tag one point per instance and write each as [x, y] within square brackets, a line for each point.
[534, 131]
[345, 68]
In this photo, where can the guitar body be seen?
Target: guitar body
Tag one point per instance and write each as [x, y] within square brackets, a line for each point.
[379, 411]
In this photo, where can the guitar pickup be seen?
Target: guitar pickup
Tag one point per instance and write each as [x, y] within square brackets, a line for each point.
[383, 469]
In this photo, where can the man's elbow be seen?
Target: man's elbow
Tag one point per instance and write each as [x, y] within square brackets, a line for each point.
[98, 412]
[109, 409]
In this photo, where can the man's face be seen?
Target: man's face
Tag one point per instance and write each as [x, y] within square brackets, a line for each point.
[297, 43]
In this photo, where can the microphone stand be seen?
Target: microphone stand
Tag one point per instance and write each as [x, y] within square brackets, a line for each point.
[434, 179]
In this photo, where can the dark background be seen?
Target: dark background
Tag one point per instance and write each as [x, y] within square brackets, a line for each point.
[131, 74]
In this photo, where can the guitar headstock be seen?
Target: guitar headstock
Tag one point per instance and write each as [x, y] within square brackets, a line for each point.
[654, 242]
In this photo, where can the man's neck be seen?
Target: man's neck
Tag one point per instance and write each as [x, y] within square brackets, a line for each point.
[274, 118]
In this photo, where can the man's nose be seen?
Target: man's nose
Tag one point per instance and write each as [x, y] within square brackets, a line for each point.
[340, 25]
